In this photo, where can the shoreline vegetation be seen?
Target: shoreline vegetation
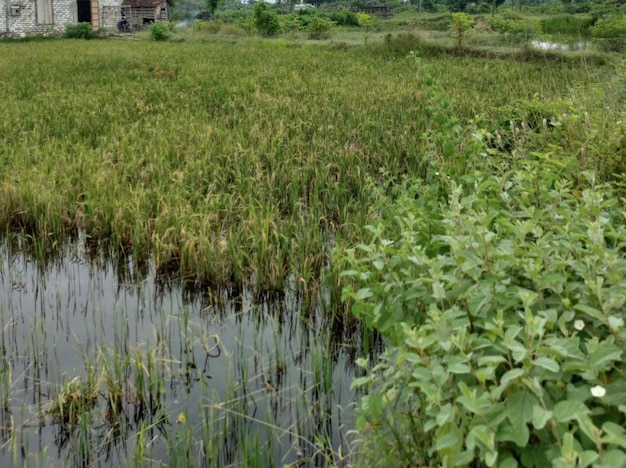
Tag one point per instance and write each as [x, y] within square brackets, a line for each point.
[455, 192]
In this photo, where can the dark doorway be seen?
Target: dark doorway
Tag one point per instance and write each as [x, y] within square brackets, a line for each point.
[84, 11]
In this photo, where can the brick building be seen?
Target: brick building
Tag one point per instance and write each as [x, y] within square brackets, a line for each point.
[20, 18]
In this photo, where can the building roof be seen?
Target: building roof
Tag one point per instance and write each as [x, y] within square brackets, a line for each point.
[144, 3]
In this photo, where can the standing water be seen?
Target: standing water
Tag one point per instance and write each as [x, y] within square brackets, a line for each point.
[97, 370]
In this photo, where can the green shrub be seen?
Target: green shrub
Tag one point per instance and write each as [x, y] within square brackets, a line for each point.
[504, 305]
[79, 31]
[265, 22]
[211, 27]
[435, 23]
[320, 28]
[461, 26]
[344, 18]
[160, 31]
[611, 33]
[566, 24]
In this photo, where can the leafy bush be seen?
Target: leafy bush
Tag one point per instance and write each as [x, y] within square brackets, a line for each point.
[503, 24]
[211, 27]
[435, 23]
[160, 31]
[461, 26]
[320, 28]
[79, 31]
[364, 20]
[505, 308]
[344, 18]
[265, 22]
[611, 33]
[566, 24]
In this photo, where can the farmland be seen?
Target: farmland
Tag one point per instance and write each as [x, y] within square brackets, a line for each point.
[237, 175]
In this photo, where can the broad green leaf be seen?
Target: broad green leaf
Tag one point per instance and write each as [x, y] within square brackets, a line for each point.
[586, 425]
[567, 449]
[612, 459]
[491, 458]
[547, 363]
[519, 407]
[449, 439]
[569, 409]
[527, 296]
[483, 435]
[363, 293]
[361, 381]
[493, 360]
[615, 434]
[518, 350]
[379, 264]
[517, 433]
[470, 404]
[590, 311]
[445, 415]
[615, 322]
[459, 368]
[587, 458]
[464, 458]
[604, 355]
[448, 149]
[508, 462]
[540, 417]
[511, 375]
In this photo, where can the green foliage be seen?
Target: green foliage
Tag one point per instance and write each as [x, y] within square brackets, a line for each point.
[434, 23]
[343, 17]
[611, 33]
[211, 27]
[566, 24]
[265, 22]
[461, 27]
[212, 5]
[320, 28]
[365, 20]
[512, 23]
[160, 31]
[497, 282]
[79, 31]
[505, 307]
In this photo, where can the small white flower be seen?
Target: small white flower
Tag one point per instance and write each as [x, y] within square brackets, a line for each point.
[579, 325]
[598, 391]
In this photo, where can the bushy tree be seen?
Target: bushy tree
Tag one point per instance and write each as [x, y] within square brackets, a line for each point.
[265, 22]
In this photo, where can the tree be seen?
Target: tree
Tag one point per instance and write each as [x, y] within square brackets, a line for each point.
[461, 25]
[495, 5]
[266, 22]
[212, 5]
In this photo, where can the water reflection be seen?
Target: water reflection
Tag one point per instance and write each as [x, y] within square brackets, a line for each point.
[567, 47]
[217, 378]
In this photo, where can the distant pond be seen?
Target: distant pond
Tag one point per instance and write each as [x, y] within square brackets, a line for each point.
[571, 46]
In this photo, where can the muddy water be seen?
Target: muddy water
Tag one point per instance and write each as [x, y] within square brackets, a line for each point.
[268, 374]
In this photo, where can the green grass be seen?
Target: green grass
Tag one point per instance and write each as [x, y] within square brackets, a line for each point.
[225, 162]
[243, 162]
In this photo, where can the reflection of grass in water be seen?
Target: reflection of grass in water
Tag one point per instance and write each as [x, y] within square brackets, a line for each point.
[122, 407]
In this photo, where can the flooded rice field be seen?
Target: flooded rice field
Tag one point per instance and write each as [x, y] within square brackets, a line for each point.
[99, 369]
